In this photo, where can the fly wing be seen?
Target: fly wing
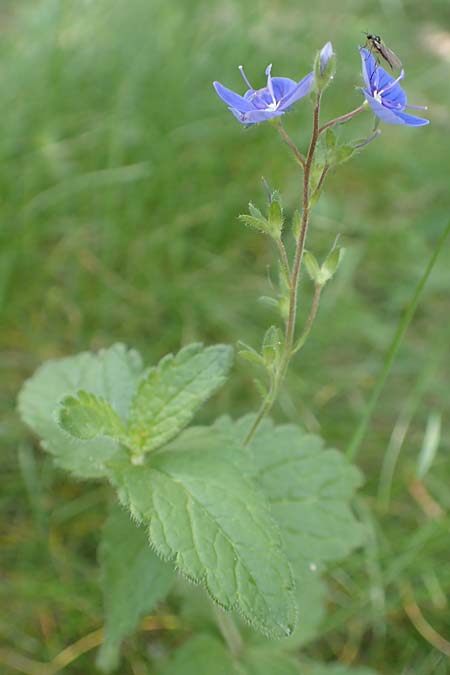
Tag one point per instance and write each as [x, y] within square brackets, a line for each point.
[390, 57]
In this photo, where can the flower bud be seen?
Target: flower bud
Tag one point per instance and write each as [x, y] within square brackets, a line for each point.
[324, 66]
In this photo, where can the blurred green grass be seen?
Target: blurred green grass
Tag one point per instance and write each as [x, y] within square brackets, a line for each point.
[121, 178]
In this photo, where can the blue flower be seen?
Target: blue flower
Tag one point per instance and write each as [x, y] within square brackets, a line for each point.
[384, 94]
[259, 105]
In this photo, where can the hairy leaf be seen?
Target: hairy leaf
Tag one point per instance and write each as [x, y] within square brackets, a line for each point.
[134, 580]
[207, 516]
[309, 489]
[86, 416]
[169, 394]
[111, 373]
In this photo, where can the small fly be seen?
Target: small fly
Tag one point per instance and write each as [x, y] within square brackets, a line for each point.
[377, 45]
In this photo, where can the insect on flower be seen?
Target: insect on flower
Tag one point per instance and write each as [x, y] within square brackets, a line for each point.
[376, 45]
[384, 94]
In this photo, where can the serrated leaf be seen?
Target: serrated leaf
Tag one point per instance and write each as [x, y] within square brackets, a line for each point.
[169, 394]
[111, 373]
[255, 212]
[86, 416]
[202, 655]
[204, 514]
[309, 489]
[134, 580]
[255, 223]
[311, 597]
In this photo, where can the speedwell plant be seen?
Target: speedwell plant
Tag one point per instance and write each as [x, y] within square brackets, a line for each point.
[248, 510]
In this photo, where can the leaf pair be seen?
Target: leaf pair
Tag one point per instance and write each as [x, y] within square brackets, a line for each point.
[246, 523]
[108, 401]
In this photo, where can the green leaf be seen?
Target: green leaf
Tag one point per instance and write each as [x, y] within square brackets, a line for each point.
[111, 374]
[265, 660]
[134, 580]
[309, 489]
[206, 655]
[255, 212]
[255, 223]
[169, 394]
[86, 416]
[312, 266]
[276, 218]
[202, 655]
[249, 354]
[205, 514]
[331, 263]
[296, 224]
[252, 356]
[330, 139]
[271, 346]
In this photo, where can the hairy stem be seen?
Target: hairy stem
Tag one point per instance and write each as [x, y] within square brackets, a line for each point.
[310, 320]
[294, 278]
[342, 118]
[285, 136]
[284, 258]
[323, 175]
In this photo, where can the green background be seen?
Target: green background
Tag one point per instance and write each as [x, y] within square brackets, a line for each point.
[122, 175]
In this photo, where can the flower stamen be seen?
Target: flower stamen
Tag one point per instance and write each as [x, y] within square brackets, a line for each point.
[244, 77]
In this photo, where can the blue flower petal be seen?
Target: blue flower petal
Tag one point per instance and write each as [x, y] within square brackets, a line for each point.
[392, 116]
[282, 86]
[390, 88]
[238, 115]
[385, 114]
[256, 116]
[232, 99]
[412, 120]
[298, 92]
[369, 66]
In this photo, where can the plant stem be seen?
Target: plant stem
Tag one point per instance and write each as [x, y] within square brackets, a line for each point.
[310, 320]
[229, 631]
[323, 175]
[295, 275]
[284, 258]
[285, 136]
[342, 118]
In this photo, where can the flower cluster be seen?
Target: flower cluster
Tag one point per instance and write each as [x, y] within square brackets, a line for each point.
[383, 92]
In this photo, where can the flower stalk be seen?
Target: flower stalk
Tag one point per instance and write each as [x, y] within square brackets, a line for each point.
[387, 100]
[288, 347]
